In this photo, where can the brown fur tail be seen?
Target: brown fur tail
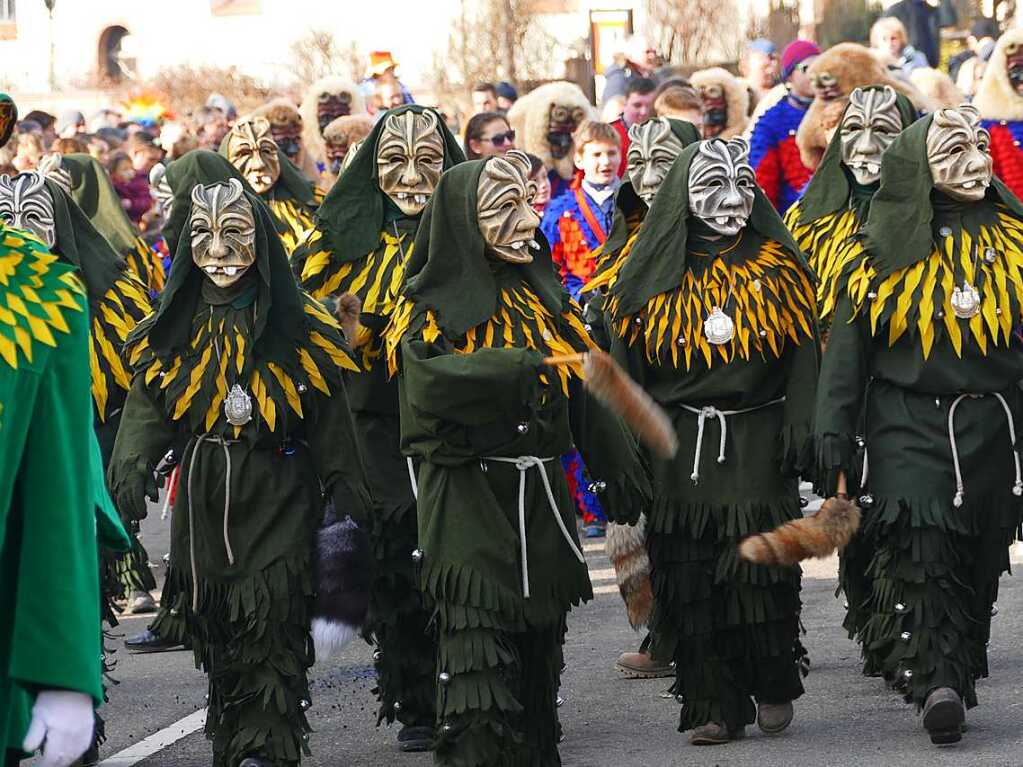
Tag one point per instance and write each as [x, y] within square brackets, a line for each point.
[348, 308]
[829, 529]
[626, 548]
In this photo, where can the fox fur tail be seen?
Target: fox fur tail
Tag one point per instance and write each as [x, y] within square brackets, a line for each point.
[818, 535]
[626, 548]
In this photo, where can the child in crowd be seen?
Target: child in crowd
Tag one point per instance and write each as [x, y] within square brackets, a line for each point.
[131, 185]
[576, 224]
[538, 175]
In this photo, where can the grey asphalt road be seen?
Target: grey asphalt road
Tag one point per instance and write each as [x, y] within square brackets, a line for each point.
[843, 719]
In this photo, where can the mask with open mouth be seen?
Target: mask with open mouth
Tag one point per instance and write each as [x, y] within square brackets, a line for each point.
[410, 159]
[253, 151]
[562, 123]
[957, 153]
[825, 86]
[715, 110]
[721, 185]
[870, 125]
[653, 147]
[223, 230]
[26, 203]
[504, 208]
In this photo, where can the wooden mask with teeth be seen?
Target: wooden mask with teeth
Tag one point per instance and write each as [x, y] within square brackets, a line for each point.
[653, 147]
[504, 208]
[223, 232]
[722, 184]
[957, 153]
[26, 203]
[869, 126]
[410, 159]
[252, 150]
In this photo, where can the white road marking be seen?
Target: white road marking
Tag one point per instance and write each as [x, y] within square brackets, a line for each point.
[157, 741]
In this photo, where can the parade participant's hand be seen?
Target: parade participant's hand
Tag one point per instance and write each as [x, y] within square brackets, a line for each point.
[62, 723]
[131, 500]
[841, 490]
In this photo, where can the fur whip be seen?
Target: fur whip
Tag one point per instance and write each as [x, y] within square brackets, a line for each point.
[818, 535]
[612, 386]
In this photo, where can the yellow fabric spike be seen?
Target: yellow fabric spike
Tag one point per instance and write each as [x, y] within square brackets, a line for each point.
[315, 376]
[99, 384]
[171, 374]
[23, 341]
[239, 359]
[289, 388]
[195, 382]
[217, 401]
[8, 352]
[335, 352]
[153, 371]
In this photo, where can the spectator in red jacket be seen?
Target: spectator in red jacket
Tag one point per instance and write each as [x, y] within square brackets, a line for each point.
[639, 107]
[773, 151]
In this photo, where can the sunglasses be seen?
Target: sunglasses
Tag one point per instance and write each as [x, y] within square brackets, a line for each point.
[803, 66]
[500, 139]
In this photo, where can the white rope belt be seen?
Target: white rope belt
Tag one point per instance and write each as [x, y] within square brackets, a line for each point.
[524, 463]
[412, 478]
[709, 411]
[1017, 488]
[217, 440]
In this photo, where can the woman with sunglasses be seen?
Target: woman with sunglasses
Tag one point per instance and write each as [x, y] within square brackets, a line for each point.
[488, 134]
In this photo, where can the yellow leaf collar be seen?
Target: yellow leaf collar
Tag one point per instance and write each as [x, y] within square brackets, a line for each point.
[829, 247]
[297, 219]
[771, 302]
[916, 301]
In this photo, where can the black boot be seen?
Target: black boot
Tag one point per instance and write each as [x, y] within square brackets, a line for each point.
[147, 641]
[414, 738]
[944, 715]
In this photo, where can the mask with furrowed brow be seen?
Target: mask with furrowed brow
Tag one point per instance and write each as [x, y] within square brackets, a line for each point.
[653, 148]
[223, 228]
[410, 159]
[722, 185]
[504, 208]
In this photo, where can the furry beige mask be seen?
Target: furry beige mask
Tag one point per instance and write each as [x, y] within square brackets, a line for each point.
[826, 86]
[869, 126]
[410, 159]
[252, 150]
[26, 203]
[504, 208]
[223, 232]
[652, 150]
[721, 185]
[957, 152]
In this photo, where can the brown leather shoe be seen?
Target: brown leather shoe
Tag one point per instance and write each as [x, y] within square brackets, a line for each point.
[944, 715]
[772, 718]
[714, 734]
[639, 665]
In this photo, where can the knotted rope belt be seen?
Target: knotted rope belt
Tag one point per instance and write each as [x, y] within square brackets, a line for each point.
[524, 463]
[198, 442]
[960, 494]
[709, 411]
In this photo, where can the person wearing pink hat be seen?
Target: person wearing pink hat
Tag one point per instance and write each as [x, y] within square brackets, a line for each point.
[773, 151]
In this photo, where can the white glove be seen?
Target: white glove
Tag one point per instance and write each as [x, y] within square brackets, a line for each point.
[62, 723]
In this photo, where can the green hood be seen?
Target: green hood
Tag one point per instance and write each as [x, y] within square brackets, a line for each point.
[898, 229]
[628, 205]
[80, 244]
[200, 166]
[658, 257]
[280, 318]
[94, 192]
[291, 184]
[831, 187]
[449, 270]
[352, 215]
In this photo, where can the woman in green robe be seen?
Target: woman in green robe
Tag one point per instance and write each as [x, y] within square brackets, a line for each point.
[363, 240]
[924, 348]
[498, 554]
[713, 314]
[240, 374]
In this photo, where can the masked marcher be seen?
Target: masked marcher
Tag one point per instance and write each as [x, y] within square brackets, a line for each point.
[999, 98]
[89, 185]
[241, 375]
[725, 101]
[326, 100]
[53, 504]
[653, 148]
[545, 120]
[713, 313]
[290, 196]
[364, 237]
[924, 346]
[286, 129]
[341, 135]
[498, 555]
[837, 199]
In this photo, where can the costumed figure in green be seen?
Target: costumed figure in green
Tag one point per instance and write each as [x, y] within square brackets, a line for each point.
[364, 238]
[41, 205]
[49, 519]
[89, 184]
[290, 196]
[241, 374]
[835, 203]
[653, 147]
[713, 314]
[924, 351]
[498, 554]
